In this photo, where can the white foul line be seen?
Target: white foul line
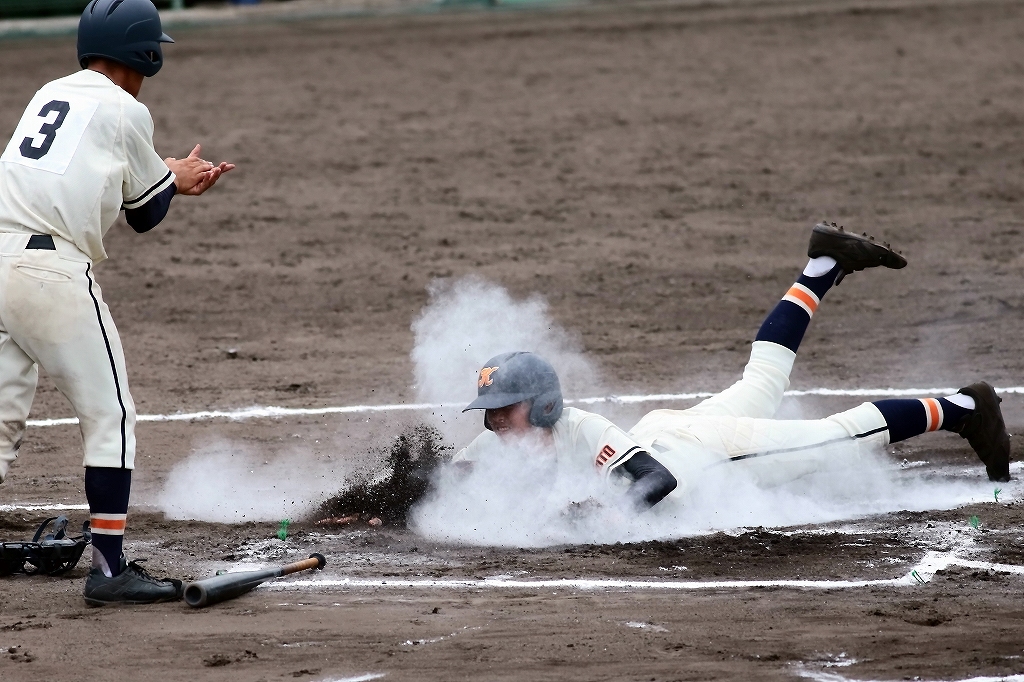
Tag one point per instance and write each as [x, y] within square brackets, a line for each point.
[258, 412]
[42, 507]
[923, 572]
[822, 676]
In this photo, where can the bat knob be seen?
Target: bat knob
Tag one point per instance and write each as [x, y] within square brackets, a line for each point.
[195, 594]
[320, 559]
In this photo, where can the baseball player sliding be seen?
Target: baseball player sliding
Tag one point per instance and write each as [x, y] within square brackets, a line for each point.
[83, 152]
[660, 456]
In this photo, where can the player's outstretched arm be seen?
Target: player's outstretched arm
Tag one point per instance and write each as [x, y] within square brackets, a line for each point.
[193, 175]
[651, 481]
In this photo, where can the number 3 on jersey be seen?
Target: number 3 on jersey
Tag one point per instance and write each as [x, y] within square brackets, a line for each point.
[50, 132]
[28, 148]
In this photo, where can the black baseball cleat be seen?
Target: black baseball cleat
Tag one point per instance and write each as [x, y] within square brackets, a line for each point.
[985, 430]
[131, 586]
[853, 252]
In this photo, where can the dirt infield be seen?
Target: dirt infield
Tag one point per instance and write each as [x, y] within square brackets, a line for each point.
[652, 170]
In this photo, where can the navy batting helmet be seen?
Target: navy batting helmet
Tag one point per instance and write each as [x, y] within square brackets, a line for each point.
[511, 378]
[126, 31]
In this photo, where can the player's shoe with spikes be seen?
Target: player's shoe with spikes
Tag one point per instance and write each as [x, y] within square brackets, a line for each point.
[133, 585]
[852, 251]
[985, 430]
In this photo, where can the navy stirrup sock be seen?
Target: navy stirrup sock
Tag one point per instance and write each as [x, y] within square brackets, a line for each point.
[107, 490]
[787, 323]
[908, 418]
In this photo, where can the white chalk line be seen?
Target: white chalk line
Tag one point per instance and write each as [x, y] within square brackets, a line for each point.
[265, 412]
[923, 572]
[822, 676]
[42, 507]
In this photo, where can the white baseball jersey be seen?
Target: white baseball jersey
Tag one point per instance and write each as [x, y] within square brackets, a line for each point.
[82, 151]
[734, 427]
[578, 438]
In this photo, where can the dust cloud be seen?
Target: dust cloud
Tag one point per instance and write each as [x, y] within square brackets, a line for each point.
[519, 496]
[522, 495]
[467, 322]
[228, 482]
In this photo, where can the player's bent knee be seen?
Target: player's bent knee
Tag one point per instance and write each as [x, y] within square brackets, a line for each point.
[11, 435]
[5, 464]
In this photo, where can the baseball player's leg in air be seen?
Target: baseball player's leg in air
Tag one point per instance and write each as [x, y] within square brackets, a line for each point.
[737, 422]
[834, 253]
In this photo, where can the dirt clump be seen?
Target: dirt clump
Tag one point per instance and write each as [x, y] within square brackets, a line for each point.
[410, 461]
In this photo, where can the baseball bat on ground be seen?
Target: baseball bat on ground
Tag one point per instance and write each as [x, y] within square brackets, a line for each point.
[231, 585]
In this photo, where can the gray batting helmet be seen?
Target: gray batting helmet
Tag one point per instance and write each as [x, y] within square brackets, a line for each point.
[127, 31]
[511, 378]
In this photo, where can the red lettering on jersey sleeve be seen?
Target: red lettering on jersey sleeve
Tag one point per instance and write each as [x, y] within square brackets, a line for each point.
[607, 452]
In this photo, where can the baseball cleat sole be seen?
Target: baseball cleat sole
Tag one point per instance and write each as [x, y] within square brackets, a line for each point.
[853, 252]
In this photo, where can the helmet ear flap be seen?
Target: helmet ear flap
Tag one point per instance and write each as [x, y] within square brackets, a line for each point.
[546, 409]
[516, 377]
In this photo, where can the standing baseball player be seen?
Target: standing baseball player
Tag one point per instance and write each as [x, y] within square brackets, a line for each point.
[82, 152]
[667, 449]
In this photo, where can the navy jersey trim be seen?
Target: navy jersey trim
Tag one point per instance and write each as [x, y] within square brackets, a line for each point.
[622, 458]
[872, 432]
[782, 451]
[146, 217]
[113, 368]
[134, 203]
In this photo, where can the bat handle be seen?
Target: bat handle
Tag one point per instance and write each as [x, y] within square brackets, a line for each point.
[314, 561]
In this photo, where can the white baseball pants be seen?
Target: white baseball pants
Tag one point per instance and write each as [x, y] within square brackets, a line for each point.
[735, 427]
[52, 315]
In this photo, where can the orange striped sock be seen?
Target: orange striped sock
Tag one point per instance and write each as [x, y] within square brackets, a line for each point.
[932, 414]
[909, 417]
[787, 323]
[108, 524]
[108, 489]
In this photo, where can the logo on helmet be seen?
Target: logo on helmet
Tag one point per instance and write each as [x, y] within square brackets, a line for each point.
[485, 377]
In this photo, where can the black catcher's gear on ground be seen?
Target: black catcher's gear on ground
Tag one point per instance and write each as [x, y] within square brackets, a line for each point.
[52, 554]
